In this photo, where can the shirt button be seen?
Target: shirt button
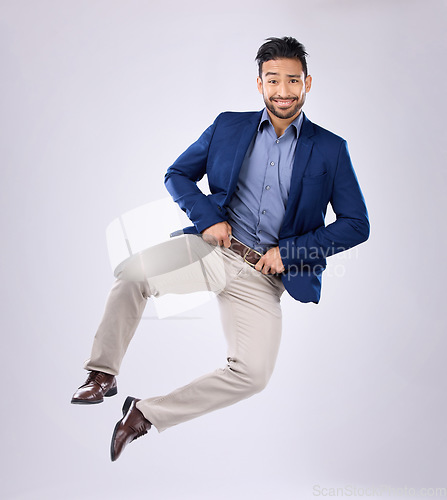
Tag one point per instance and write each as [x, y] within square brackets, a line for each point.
[267, 187]
[272, 163]
[264, 212]
[277, 141]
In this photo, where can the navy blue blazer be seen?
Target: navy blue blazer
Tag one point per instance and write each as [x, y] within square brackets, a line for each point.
[322, 173]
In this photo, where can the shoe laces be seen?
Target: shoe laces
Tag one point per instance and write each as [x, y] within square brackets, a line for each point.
[95, 376]
[140, 430]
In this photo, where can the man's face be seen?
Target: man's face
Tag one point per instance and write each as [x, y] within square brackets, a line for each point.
[284, 87]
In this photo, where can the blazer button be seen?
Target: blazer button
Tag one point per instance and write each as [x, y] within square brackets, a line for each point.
[219, 208]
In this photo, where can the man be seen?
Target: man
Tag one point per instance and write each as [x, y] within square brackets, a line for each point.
[271, 176]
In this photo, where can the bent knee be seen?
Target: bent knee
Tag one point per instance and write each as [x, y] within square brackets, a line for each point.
[252, 379]
[259, 380]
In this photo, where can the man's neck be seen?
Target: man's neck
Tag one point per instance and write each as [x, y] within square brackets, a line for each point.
[280, 124]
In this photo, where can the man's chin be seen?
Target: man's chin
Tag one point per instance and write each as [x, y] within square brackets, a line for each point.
[285, 114]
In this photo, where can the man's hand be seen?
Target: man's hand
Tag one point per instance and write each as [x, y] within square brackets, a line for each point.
[270, 262]
[218, 234]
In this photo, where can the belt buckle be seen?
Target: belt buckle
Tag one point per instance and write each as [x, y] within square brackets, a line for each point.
[247, 252]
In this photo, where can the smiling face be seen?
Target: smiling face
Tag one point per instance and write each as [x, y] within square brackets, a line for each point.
[283, 86]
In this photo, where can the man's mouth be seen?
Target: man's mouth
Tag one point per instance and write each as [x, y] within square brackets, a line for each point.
[284, 103]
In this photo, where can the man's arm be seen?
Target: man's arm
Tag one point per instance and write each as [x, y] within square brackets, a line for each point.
[181, 182]
[350, 228]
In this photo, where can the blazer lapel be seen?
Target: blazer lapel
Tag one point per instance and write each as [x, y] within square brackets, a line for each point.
[302, 154]
[246, 135]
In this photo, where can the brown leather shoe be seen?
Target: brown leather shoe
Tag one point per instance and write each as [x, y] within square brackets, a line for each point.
[97, 385]
[130, 427]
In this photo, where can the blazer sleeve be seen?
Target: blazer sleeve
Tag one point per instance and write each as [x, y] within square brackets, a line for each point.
[181, 182]
[350, 228]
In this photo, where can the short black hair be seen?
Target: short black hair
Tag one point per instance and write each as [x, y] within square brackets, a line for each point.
[280, 48]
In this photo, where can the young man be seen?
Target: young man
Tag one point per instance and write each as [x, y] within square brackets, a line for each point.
[271, 176]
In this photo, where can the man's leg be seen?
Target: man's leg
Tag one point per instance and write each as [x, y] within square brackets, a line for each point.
[188, 265]
[251, 318]
[123, 311]
[124, 308]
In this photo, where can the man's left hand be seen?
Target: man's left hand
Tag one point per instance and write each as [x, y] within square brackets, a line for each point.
[270, 262]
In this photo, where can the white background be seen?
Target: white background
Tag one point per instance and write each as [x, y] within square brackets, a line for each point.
[97, 99]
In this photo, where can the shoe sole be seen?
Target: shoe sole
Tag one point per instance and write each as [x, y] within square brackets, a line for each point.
[111, 392]
[125, 409]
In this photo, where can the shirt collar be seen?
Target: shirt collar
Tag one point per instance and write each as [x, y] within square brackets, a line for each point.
[265, 118]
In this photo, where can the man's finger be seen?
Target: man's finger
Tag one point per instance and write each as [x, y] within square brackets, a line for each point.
[259, 264]
[226, 241]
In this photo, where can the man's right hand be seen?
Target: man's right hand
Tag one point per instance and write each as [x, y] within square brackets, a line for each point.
[218, 234]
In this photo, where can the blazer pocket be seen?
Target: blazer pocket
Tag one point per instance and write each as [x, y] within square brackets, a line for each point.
[315, 179]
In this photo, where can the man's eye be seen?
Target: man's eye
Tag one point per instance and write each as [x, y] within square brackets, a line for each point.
[272, 81]
[293, 81]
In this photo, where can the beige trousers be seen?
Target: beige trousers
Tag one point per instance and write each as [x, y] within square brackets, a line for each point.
[250, 310]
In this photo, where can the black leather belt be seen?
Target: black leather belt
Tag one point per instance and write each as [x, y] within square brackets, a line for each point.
[249, 255]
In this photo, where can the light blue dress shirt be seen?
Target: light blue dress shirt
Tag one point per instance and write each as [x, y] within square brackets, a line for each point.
[256, 210]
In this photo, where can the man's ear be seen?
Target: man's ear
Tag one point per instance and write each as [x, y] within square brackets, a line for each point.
[308, 83]
[259, 84]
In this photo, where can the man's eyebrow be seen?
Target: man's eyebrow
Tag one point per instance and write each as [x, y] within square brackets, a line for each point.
[271, 73]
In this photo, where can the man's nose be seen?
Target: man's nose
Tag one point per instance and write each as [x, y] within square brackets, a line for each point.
[282, 90]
